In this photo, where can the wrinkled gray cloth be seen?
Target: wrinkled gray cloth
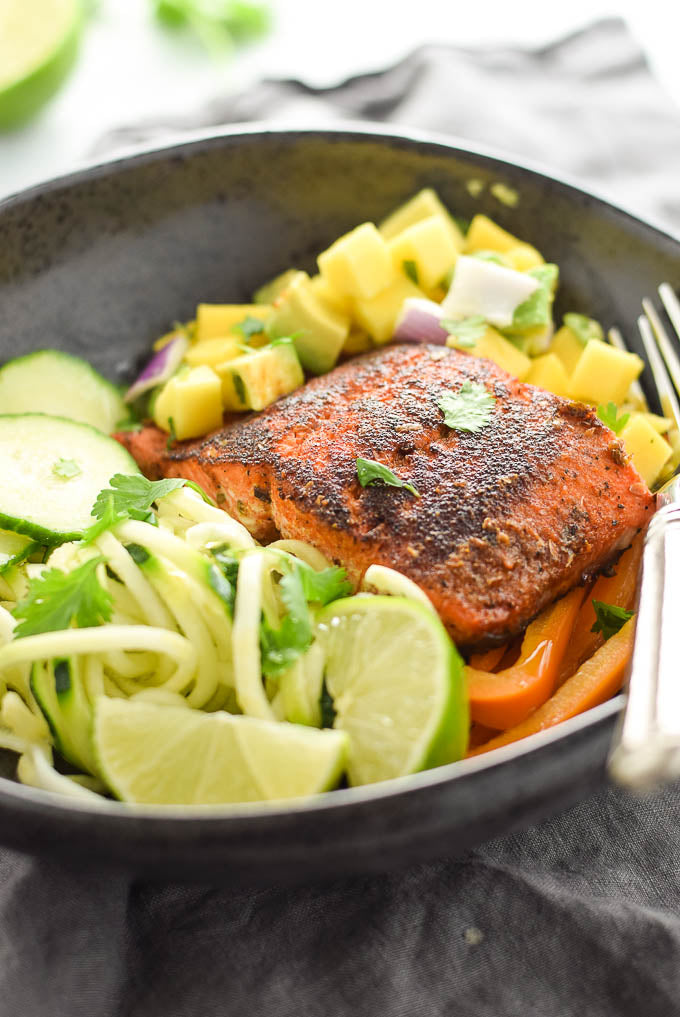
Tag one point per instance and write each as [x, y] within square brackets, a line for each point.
[579, 915]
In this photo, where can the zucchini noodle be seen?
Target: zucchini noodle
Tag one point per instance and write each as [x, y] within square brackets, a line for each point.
[181, 633]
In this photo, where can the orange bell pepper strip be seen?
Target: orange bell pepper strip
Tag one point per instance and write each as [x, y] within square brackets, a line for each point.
[504, 699]
[595, 682]
[617, 589]
[488, 660]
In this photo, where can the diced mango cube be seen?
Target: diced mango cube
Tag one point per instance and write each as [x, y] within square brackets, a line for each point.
[568, 347]
[523, 257]
[268, 293]
[421, 206]
[496, 347]
[660, 424]
[604, 374]
[378, 315]
[190, 404]
[357, 341]
[256, 379]
[325, 292]
[358, 264]
[217, 320]
[547, 371]
[485, 235]
[214, 351]
[429, 247]
[649, 451]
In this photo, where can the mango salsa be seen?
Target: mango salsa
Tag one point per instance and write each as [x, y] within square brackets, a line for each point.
[427, 246]
[190, 404]
[649, 451]
[547, 371]
[358, 264]
[604, 374]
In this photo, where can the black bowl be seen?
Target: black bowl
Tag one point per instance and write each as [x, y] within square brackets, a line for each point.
[103, 261]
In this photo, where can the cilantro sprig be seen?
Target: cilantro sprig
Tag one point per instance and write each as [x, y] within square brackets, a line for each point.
[56, 599]
[299, 586]
[609, 618]
[469, 409]
[218, 24]
[411, 270]
[249, 327]
[609, 415]
[371, 472]
[466, 331]
[131, 496]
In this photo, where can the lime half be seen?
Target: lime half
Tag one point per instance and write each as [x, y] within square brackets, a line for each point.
[166, 755]
[396, 681]
[38, 45]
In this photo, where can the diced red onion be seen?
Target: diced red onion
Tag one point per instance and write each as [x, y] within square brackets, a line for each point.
[420, 322]
[162, 366]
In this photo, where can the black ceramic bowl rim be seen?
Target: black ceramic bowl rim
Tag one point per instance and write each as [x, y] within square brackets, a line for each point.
[119, 813]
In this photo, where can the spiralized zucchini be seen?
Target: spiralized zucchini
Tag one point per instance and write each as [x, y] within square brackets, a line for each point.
[171, 638]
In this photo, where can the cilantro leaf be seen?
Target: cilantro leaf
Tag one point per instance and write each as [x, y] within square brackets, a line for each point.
[467, 331]
[219, 24]
[249, 327]
[66, 469]
[583, 327]
[56, 599]
[325, 586]
[411, 270]
[610, 618]
[280, 648]
[608, 416]
[132, 496]
[369, 471]
[469, 409]
[536, 310]
[172, 435]
[223, 574]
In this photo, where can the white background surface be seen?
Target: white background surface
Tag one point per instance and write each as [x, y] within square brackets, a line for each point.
[130, 69]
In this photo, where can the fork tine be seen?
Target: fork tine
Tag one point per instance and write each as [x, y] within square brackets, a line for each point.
[615, 337]
[663, 340]
[664, 385]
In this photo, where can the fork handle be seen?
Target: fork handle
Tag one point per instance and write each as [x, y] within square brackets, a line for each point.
[647, 751]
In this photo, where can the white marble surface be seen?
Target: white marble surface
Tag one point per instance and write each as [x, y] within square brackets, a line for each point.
[130, 69]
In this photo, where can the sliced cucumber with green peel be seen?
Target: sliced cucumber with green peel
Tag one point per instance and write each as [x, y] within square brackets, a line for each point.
[35, 497]
[15, 548]
[58, 688]
[50, 381]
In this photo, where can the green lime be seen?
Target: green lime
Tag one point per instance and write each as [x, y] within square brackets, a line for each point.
[167, 755]
[38, 45]
[397, 685]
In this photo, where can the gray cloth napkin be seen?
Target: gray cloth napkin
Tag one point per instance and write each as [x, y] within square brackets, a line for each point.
[579, 915]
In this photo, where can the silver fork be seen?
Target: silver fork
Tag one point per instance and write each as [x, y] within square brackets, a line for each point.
[646, 751]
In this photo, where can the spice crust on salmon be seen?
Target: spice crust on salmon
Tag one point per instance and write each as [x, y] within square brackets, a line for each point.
[509, 517]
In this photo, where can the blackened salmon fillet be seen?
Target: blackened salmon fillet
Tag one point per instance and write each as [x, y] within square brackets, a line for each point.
[509, 517]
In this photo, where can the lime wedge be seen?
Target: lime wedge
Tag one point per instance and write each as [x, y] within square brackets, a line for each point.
[167, 755]
[38, 45]
[397, 685]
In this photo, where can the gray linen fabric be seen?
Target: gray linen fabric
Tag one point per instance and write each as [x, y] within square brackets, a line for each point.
[579, 915]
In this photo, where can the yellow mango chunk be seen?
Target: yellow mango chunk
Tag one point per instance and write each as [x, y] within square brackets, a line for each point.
[324, 291]
[649, 451]
[256, 379]
[357, 341]
[214, 351]
[428, 245]
[522, 257]
[190, 404]
[568, 347]
[604, 374]
[214, 321]
[660, 424]
[496, 347]
[358, 264]
[421, 206]
[485, 235]
[547, 371]
[378, 315]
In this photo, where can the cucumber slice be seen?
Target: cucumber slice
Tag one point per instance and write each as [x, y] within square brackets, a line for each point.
[14, 548]
[50, 381]
[58, 688]
[37, 500]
